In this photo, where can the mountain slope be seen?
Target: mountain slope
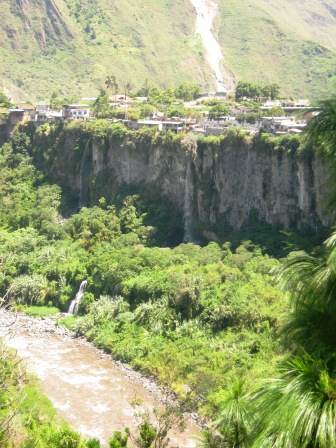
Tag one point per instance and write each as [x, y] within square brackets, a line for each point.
[71, 46]
[292, 43]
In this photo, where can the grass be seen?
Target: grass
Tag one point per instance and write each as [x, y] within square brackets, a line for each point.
[277, 45]
[71, 46]
[132, 40]
[40, 311]
[68, 321]
[35, 401]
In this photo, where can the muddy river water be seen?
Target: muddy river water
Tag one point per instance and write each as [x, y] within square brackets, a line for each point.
[89, 390]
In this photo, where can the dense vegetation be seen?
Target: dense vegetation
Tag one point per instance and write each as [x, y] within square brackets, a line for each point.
[204, 320]
[209, 311]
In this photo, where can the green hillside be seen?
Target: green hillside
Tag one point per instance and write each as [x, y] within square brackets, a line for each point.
[291, 43]
[71, 45]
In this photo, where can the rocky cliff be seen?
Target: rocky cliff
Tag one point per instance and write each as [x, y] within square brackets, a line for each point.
[216, 182]
[3, 132]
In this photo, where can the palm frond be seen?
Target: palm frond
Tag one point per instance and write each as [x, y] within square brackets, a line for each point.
[235, 418]
[297, 410]
[311, 281]
[322, 128]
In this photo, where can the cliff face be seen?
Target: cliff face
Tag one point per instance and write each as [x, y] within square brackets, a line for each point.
[6, 129]
[216, 183]
[286, 190]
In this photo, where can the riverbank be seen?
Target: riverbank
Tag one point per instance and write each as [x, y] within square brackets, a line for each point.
[88, 388]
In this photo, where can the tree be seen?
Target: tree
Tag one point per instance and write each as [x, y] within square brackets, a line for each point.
[212, 440]
[322, 128]
[271, 91]
[20, 143]
[102, 107]
[57, 101]
[274, 90]
[111, 83]
[146, 110]
[4, 101]
[234, 421]
[134, 113]
[31, 290]
[276, 111]
[127, 88]
[92, 443]
[250, 117]
[65, 438]
[188, 91]
[299, 409]
[322, 137]
[176, 111]
[248, 90]
[254, 91]
[147, 434]
[144, 90]
[11, 378]
[159, 97]
[218, 111]
[119, 440]
[154, 428]
[242, 90]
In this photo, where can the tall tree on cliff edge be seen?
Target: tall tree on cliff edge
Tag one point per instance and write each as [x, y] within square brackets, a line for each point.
[4, 101]
[322, 129]
[299, 409]
[322, 136]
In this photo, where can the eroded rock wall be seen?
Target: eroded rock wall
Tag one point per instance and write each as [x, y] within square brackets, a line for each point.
[285, 189]
[230, 179]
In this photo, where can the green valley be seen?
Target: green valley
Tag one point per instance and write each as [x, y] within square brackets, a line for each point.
[166, 214]
[209, 321]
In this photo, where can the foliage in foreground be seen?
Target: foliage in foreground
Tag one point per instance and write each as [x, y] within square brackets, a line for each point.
[298, 409]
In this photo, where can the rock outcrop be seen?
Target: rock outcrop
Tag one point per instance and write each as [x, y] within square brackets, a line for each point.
[231, 177]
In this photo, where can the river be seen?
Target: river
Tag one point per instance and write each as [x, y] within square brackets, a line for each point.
[90, 390]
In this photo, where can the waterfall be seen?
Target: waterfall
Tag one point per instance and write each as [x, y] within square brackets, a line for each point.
[116, 290]
[73, 308]
[84, 175]
[206, 11]
[188, 205]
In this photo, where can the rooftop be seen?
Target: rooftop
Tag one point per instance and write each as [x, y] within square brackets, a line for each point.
[77, 106]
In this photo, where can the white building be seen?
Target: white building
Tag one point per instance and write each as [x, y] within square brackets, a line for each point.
[76, 112]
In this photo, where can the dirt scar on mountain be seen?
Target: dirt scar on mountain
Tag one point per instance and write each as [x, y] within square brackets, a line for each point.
[206, 11]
